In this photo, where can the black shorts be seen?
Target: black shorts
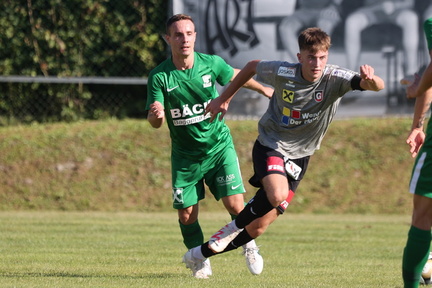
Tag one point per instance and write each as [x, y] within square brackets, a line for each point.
[268, 161]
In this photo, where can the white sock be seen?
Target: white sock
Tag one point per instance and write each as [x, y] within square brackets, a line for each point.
[233, 225]
[196, 253]
[250, 244]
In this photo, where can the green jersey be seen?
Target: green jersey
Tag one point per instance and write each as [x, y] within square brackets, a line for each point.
[185, 95]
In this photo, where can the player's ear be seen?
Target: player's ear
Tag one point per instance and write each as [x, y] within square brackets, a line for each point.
[166, 38]
[299, 57]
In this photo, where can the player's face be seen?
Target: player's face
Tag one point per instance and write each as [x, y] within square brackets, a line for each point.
[182, 38]
[313, 64]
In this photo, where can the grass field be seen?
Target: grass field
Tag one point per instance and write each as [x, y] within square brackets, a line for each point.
[130, 249]
[363, 167]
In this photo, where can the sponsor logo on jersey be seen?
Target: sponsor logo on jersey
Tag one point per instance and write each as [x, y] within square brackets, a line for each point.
[286, 71]
[173, 88]
[275, 164]
[296, 117]
[235, 187]
[291, 116]
[207, 81]
[343, 74]
[288, 95]
[187, 115]
[177, 195]
[290, 84]
[338, 73]
[348, 75]
[319, 95]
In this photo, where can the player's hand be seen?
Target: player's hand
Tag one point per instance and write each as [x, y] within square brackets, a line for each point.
[415, 141]
[412, 88]
[215, 107]
[367, 72]
[268, 92]
[157, 110]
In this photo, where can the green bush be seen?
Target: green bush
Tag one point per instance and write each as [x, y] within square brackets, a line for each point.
[74, 38]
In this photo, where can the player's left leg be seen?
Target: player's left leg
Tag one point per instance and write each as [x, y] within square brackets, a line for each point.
[226, 183]
[416, 252]
[417, 248]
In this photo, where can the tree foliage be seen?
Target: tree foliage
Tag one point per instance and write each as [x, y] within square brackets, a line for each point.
[75, 38]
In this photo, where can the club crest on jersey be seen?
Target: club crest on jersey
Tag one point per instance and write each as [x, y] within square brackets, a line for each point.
[286, 71]
[177, 195]
[206, 81]
[319, 95]
[288, 96]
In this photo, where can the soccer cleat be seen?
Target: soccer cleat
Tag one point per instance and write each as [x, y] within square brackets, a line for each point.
[198, 267]
[207, 267]
[254, 260]
[220, 240]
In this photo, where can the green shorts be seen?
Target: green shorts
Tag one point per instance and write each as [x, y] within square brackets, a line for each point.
[220, 172]
[421, 180]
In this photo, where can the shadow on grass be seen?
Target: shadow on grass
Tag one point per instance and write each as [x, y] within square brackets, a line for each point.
[77, 275]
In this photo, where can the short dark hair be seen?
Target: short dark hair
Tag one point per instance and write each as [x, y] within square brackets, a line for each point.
[175, 18]
[314, 39]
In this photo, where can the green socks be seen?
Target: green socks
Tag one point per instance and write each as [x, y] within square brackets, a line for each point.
[415, 255]
[192, 234]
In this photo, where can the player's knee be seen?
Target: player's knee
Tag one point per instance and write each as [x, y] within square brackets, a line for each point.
[277, 198]
[284, 204]
[187, 216]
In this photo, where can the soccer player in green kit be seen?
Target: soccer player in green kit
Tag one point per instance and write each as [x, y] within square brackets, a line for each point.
[416, 252]
[202, 152]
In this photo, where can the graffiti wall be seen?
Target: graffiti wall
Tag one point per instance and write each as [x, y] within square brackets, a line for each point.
[385, 34]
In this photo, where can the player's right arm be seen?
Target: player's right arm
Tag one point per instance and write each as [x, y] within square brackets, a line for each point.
[156, 114]
[221, 103]
[155, 96]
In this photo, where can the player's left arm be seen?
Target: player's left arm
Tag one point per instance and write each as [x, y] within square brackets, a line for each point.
[417, 136]
[370, 81]
[252, 84]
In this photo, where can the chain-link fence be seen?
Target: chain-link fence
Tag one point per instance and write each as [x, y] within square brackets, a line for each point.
[67, 60]
[63, 60]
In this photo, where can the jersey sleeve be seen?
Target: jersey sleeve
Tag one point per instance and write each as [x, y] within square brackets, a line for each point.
[266, 71]
[154, 90]
[343, 78]
[224, 72]
[427, 26]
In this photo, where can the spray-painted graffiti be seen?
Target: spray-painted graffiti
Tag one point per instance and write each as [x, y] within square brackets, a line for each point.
[222, 28]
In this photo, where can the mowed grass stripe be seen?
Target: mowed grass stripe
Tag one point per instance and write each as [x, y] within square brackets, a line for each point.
[130, 249]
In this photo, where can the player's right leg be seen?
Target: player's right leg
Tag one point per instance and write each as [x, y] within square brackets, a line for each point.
[416, 251]
[187, 191]
[271, 177]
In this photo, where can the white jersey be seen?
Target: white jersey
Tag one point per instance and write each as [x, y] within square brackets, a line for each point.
[300, 111]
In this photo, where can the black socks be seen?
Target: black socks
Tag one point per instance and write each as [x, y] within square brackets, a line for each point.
[257, 207]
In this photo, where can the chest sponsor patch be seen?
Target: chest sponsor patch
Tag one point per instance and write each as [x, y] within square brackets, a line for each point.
[288, 95]
[286, 71]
